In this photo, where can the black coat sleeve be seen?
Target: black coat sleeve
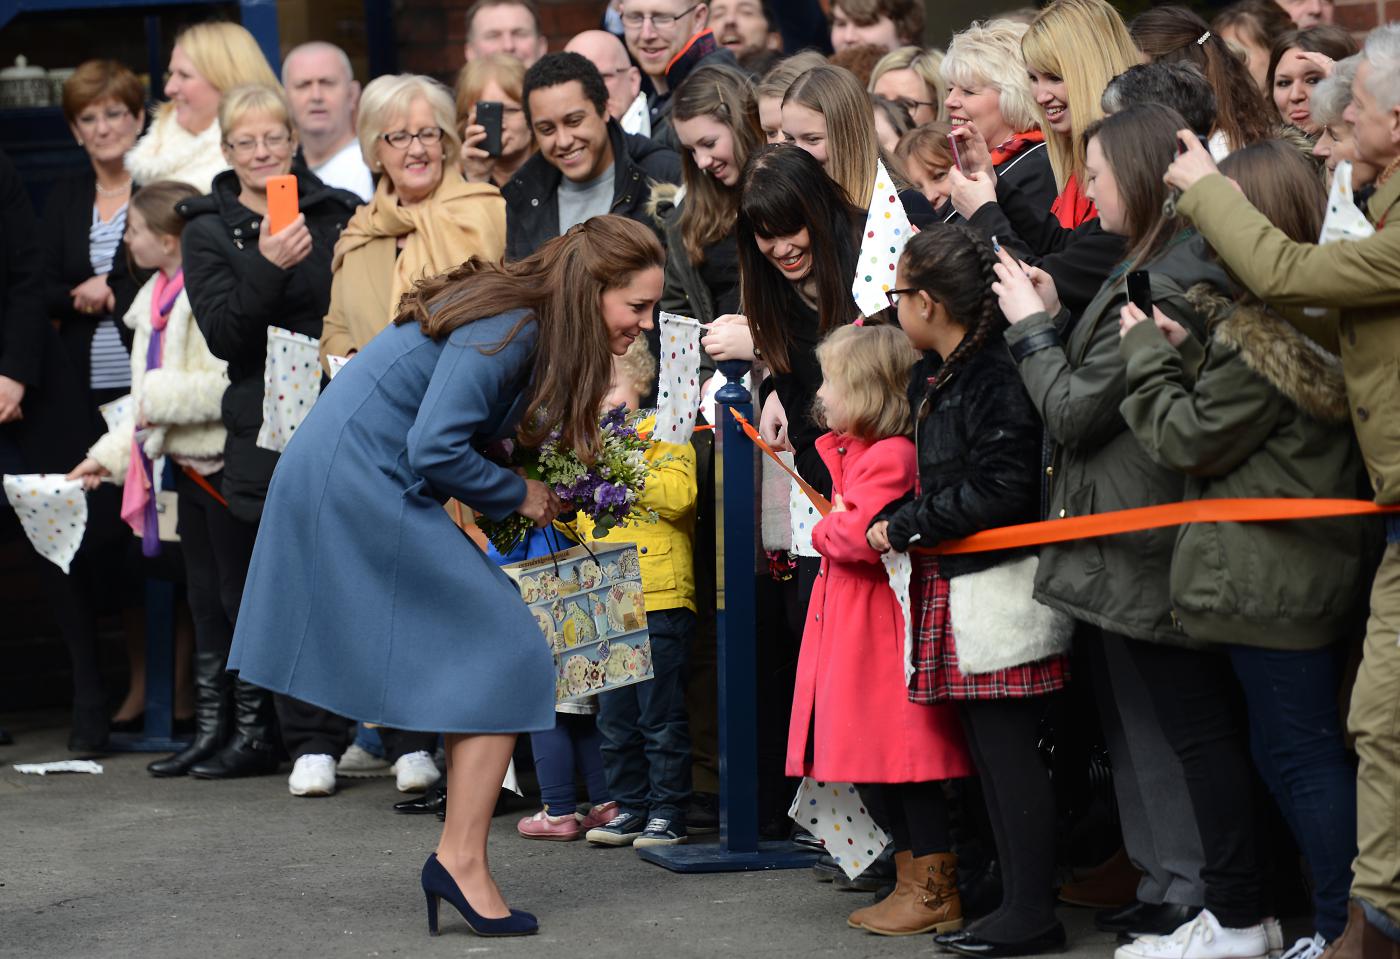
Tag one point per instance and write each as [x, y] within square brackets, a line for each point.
[232, 300]
[21, 298]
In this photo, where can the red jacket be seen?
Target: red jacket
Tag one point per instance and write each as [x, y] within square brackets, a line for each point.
[852, 720]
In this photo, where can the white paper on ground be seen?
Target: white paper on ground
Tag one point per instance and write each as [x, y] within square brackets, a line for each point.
[677, 385]
[887, 229]
[835, 814]
[53, 512]
[291, 381]
[900, 570]
[62, 766]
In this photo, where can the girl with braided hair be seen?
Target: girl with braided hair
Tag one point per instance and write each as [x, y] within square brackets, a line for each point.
[980, 640]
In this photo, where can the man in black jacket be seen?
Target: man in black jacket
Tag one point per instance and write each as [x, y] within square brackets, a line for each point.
[586, 165]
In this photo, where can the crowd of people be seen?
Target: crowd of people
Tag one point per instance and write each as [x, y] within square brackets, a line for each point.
[1153, 263]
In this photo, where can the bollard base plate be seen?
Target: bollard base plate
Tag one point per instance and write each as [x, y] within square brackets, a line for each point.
[713, 857]
[139, 743]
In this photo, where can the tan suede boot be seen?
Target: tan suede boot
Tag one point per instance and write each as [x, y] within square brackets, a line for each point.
[931, 906]
[903, 885]
[1360, 939]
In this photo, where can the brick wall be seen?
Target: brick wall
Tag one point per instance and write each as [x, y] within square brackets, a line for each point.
[431, 33]
[1360, 16]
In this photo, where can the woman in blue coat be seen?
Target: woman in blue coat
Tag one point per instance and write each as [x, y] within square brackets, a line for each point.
[364, 598]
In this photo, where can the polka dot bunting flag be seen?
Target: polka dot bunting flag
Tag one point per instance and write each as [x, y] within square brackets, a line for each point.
[678, 385]
[53, 512]
[803, 516]
[1344, 219]
[835, 814]
[900, 570]
[887, 229]
[117, 413]
[291, 383]
[335, 363]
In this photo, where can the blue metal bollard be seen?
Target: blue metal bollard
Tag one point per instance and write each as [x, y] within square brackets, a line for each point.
[739, 848]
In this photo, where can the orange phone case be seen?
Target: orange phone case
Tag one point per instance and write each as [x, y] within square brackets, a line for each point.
[282, 203]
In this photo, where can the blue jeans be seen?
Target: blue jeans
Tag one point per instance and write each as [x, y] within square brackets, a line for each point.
[571, 746]
[646, 738]
[1295, 734]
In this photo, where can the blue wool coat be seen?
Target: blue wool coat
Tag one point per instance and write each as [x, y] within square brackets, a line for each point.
[363, 597]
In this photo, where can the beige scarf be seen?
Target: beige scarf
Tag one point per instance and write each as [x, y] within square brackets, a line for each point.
[460, 220]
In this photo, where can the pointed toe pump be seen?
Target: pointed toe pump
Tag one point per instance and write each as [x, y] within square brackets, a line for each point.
[438, 884]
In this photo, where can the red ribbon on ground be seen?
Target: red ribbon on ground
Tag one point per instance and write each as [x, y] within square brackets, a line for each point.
[1244, 510]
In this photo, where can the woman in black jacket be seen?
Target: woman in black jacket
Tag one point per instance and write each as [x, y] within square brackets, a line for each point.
[240, 281]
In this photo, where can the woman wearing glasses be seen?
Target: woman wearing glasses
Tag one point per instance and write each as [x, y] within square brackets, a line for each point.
[424, 217]
[240, 279]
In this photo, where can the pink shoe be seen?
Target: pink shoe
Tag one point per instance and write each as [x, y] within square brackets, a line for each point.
[544, 826]
[599, 815]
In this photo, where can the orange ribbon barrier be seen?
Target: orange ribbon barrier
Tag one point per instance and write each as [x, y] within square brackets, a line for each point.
[1260, 510]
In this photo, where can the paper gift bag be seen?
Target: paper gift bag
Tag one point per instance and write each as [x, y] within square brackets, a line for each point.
[887, 229]
[589, 605]
[677, 386]
[291, 382]
[53, 512]
[835, 814]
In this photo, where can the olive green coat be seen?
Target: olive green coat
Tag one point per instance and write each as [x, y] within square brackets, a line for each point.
[1118, 583]
[1265, 416]
[1360, 278]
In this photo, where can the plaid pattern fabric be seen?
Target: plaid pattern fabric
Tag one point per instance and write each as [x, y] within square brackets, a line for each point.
[936, 675]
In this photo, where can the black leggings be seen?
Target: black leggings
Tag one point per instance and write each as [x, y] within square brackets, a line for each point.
[915, 814]
[1001, 734]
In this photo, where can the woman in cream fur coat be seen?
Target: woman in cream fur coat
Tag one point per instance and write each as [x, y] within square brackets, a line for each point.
[174, 410]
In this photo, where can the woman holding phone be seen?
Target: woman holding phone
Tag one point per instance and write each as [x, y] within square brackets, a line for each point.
[240, 279]
[496, 140]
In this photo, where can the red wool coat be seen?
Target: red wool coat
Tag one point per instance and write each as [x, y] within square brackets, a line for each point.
[851, 716]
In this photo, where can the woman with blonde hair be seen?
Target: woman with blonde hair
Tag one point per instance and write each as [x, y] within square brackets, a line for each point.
[827, 114]
[397, 617]
[988, 92]
[241, 278]
[424, 218]
[184, 141]
[911, 77]
[768, 92]
[495, 78]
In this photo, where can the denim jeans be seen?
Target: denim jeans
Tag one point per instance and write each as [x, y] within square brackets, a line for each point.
[1295, 734]
[570, 747]
[646, 739]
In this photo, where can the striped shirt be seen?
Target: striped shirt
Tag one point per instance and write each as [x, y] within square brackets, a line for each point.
[109, 359]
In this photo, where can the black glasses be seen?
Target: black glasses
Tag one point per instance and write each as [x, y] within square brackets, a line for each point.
[400, 139]
[659, 21]
[894, 295]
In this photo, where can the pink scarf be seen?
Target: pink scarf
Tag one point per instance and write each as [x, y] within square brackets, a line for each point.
[138, 501]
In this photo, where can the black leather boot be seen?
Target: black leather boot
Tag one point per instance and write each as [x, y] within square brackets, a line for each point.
[90, 732]
[213, 716]
[253, 751]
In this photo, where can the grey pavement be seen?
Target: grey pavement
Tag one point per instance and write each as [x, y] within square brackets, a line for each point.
[124, 865]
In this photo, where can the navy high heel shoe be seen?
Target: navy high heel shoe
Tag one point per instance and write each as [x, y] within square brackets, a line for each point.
[439, 884]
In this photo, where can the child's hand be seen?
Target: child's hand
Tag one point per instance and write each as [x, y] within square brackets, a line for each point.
[878, 536]
[838, 505]
[90, 472]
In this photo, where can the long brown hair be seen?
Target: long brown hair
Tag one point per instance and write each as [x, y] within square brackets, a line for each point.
[722, 93]
[852, 147]
[1139, 144]
[1283, 184]
[561, 284]
[1173, 34]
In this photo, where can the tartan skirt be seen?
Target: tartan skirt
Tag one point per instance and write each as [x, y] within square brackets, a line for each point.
[937, 678]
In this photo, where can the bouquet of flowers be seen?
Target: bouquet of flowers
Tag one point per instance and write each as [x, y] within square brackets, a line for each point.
[608, 491]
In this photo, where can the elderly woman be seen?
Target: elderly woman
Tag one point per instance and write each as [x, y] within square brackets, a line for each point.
[910, 77]
[1337, 141]
[424, 218]
[240, 279]
[81, 233]
[985, 74]
[184, 142]
[497, 78]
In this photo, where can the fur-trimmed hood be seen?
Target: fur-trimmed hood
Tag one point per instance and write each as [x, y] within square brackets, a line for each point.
[664, 203]
[1309, 376]
[168, 151]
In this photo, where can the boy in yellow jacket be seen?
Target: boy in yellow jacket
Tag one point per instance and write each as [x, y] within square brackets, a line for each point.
[646, 740]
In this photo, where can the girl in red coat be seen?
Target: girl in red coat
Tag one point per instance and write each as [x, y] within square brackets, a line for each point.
[852, 720]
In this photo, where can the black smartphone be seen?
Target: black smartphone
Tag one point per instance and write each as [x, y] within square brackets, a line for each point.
[1140, 291]
[488, 115]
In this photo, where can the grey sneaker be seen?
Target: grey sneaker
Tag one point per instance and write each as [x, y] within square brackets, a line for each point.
[662, 832]
[360, 763]
[622, 830]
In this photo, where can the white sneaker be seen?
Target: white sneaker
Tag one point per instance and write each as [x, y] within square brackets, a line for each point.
[1307, 948]
[1201, 938]
[1273, 931]
[360, 763]
[313, 775]
[415, 772]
